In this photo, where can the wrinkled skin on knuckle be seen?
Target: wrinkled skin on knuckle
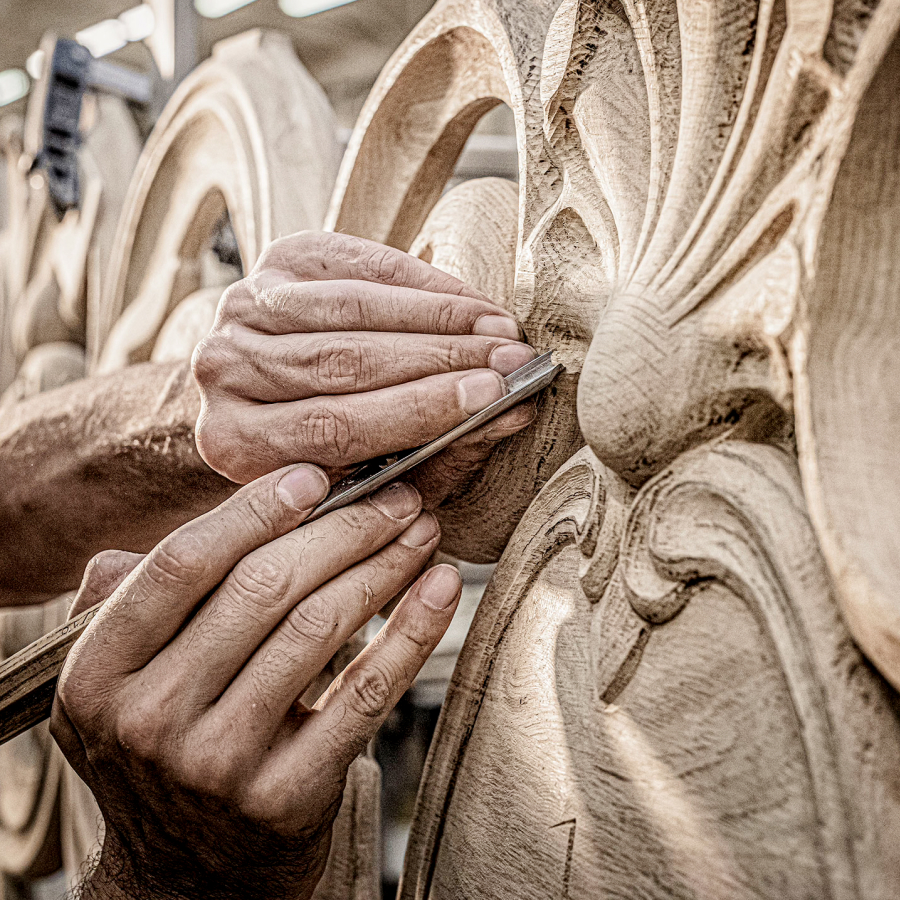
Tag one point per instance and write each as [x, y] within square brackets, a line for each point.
[341, 362]
[178, 562]
[260, 581]
[382, 264]
[327, 432]
[312, 623]
[369, 691]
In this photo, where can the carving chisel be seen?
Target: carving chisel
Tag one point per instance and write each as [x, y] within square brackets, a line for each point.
[28, 678]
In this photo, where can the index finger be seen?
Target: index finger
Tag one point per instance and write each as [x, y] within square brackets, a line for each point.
[153, 603]
[329, 256]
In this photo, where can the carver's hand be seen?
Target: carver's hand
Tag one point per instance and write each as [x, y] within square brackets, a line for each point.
[179, 705]
[336, 350]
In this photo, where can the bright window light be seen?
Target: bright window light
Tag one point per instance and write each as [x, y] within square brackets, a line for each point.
[300, 8]
[14, 85]
[34, 65]
[103, 38]
[213, 9]
[139, 22]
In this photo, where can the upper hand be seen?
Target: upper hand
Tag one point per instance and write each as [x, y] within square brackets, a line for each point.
[336, 350]
[180, 705]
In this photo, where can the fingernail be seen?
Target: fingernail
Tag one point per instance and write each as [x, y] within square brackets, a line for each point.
[398, 500]
[506, 358]
[440, 587]
[302, 488]
[478, 390]
[497, 326]
[424, 530]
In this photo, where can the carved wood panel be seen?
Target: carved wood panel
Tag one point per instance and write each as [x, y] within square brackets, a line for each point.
[663, 693]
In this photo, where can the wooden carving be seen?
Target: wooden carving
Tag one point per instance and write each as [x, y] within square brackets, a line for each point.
[247, 143]
[664, 692]
[248, 138]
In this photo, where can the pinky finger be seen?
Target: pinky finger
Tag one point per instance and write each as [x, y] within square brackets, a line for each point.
[356, 704]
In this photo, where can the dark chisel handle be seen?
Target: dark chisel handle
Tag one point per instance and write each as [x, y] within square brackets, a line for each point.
[28, 678]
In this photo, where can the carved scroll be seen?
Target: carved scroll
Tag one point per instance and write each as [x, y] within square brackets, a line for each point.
[700, 725]
[249, 135]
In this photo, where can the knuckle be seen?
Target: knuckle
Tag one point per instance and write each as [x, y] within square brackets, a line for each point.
[233, 300]
[140, 729]
[328, 431]
[311, 623]
[206, 770]
[72, 694]
[383, 264]
[368, 691]
[221, 444]
[444, 317]
[209, 361]
[284, 253]
[340, 363]
[260, 581]
[178, 561]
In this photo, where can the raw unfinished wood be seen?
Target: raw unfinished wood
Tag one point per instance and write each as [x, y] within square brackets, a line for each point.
[248, 134]
[696, 724]
[659, 696]
[676, 213]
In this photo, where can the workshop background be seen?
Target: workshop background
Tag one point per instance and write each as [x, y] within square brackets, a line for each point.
[82, 85]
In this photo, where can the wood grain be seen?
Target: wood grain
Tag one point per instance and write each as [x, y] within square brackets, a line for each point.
[661, 694]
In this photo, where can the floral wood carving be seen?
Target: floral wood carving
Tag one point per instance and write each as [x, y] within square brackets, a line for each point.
[708, 202]
[660, 695]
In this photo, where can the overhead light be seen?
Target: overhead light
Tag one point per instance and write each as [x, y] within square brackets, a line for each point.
[135, 24]
[300, 8]
[14, 85]
[213, 9]
[103, 38]
[34, 65]
[139, 22]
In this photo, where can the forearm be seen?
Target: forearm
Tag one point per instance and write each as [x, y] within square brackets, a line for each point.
[102, 463]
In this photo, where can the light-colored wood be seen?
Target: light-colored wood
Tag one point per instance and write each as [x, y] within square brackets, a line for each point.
[472, 233]
[663, 692]
[694, 723]
[248, 134]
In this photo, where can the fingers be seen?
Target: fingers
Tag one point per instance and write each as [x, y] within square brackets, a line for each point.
[264, 586]
[104, 573]
[273, 305]
[437, 478]
[356, 704]
[300, 366]
[312, 632]
[338, 431]
[326, 256]
[173, 579]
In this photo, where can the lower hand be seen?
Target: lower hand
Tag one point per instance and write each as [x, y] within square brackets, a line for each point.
[180, 705]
